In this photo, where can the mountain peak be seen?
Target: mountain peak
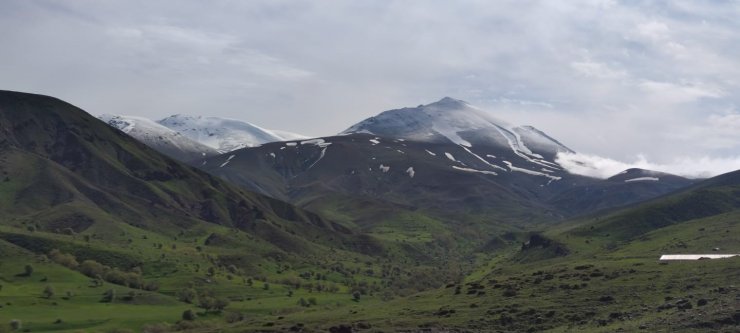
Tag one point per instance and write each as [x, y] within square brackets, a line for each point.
[456, 121]
[224, 134]
[449, 102]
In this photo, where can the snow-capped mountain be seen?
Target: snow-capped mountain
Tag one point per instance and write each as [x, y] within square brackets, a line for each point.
[160, 138]
[452, 120]
[446, 156]
[224, 134]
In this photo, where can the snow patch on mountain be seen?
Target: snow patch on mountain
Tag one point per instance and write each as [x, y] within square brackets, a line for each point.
[455, 121]
[317, 142]
[531, 172]
[159, 137]
[642, 179]
[474, 170]
[482, 159]
[227, 161]
[224, 134]
[410, 171]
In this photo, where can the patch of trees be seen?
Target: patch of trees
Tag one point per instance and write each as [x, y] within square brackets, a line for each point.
[206, 300]
[100, 272]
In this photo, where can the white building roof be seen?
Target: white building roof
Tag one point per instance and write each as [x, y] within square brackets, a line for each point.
[695, 256]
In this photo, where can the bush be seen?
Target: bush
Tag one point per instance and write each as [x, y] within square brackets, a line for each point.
[151, 286]
[302, 302]
[92, 268]
[233, 317]
[64, 259]
[187, 295]
[109, 296]
[220, 304]
[189, 315]
[48, 292]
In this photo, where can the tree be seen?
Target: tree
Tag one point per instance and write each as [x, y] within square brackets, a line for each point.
[206, 302]
[356, 296]
[27, 270]
[220, 304]
[188, 315]
[233, 317]
[92, 268]
[109, 296]
[16, 324]
[266, 286]
[64, 259]
[187, 295]
[48, 292]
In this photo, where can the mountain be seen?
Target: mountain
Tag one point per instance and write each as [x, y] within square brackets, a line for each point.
[447, 159]
[99, 232]
[224, 135]
[708, 198]
[627, 187]
[162, 139]
[454, 121]
[64, 169]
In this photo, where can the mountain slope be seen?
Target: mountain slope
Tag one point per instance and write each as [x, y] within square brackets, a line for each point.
[162, 139]
[627, 187]
[222, 134]
[446, 158]
[711, 197]
[65, 169]
[452, 120]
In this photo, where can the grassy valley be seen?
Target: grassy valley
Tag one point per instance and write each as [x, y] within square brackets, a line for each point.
[100, 233]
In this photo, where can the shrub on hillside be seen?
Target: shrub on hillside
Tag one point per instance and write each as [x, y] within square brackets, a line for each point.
[64, 259]
[189, 315]
[27, 270]
[233, 317]
[109, 296]
[16, 325]
[187, 295]
[48, 292]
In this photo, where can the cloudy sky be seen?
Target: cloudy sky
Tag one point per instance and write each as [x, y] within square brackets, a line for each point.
[653, 84]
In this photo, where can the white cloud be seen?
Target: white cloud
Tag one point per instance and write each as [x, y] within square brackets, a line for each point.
[653, 30]
[678, 93]
[602, 76]
[598, 70]
[692, 167]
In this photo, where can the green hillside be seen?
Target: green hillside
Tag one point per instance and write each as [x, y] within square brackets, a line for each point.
[99, 233]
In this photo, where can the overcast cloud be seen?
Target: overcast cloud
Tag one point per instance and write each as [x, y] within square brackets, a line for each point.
[644, 83]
